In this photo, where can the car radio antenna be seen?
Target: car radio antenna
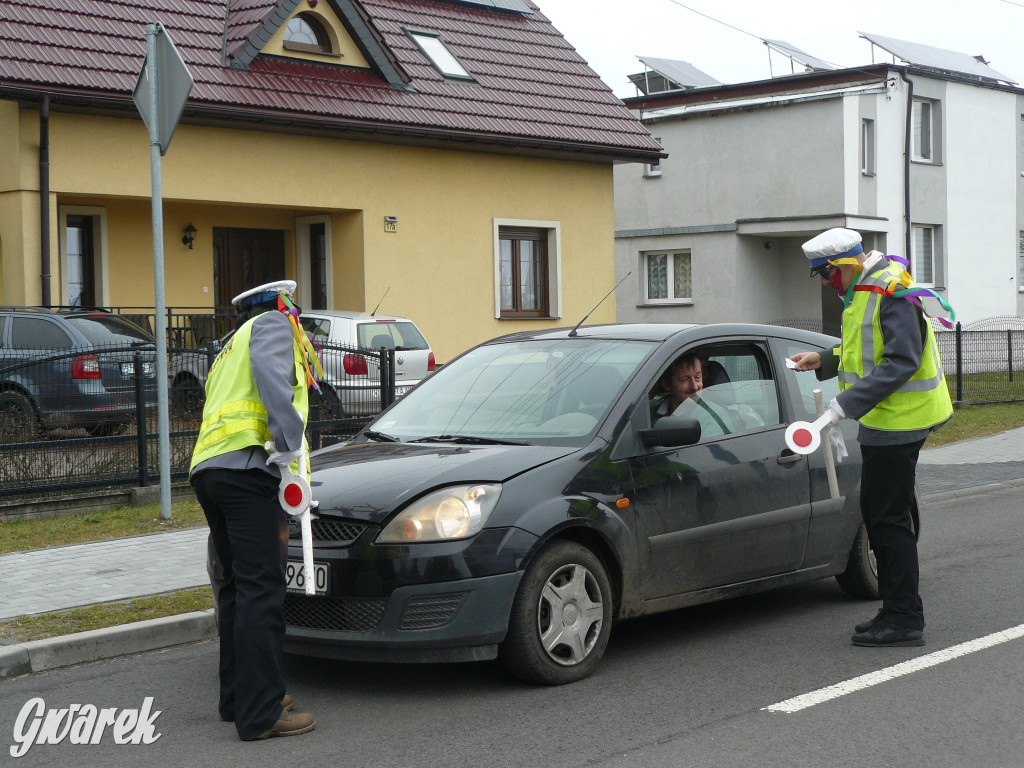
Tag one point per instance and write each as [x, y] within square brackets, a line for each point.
[581, 322]
[380, 302]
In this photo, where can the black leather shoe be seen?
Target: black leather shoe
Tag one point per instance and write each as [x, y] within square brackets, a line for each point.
[884, 634]
[864, 626]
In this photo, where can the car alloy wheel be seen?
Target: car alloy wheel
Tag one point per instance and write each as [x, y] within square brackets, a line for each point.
[561, 617]
[17, 417]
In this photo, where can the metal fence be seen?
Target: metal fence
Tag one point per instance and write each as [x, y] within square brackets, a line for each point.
[983, 361]
[64, 428]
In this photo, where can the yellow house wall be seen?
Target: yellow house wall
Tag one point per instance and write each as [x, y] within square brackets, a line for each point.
[439, 265]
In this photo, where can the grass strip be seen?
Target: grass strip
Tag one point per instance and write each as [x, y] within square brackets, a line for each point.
[39, 626]
[977, 421]
[17, 535]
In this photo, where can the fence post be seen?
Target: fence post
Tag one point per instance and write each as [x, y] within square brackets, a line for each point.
[959, 364]
[140, 422]
[391, 376]
[1009, 352]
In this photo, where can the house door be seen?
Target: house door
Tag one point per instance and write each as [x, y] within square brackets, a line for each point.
[245, 258]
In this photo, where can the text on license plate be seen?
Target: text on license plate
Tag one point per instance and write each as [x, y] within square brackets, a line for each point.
[297, 577]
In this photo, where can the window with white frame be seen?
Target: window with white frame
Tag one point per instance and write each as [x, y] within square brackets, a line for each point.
[435, 49]
[924, 130]
[924, 255]
[867, 147]
[653, 169]
[527, 268]
[667, 276]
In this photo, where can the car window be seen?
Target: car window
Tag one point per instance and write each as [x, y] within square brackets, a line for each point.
[739, 393]
[805, 382]
[553, 391]
[38, 333]
[102, 329]
[392, 335]
[320, 327]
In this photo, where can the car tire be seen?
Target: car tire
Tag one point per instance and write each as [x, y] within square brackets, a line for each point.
[860, 579]
[561, 617]
[18, 421]
[188, 396]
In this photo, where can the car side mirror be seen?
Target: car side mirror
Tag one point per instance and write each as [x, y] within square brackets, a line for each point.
[671, 432]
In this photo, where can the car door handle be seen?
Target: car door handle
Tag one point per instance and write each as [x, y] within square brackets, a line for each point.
[788, 457]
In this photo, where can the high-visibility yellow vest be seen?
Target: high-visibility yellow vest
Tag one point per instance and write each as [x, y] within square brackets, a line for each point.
[921, 402]
[234, 417]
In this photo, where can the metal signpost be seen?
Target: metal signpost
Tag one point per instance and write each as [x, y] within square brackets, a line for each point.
[160, 95]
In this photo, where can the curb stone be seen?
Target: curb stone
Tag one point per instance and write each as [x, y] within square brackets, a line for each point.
[106, 643]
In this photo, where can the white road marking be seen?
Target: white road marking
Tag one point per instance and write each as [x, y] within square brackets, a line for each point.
[889, 673]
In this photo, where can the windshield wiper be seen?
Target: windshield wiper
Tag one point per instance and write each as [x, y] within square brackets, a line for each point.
[467, 439]
[380, 436]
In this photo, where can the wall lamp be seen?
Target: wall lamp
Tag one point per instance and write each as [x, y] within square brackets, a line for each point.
[189, 236]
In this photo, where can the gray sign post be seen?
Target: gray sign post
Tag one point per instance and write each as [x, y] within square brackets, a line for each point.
[160, 95]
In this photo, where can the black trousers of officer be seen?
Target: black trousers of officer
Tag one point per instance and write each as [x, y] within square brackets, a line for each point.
[886, 499]
[250, 534]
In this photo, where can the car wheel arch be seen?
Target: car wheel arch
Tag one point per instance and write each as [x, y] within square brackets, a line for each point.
[592, 539]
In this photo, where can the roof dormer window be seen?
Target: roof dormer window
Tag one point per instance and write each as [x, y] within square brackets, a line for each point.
[444, 60]
[306, 33]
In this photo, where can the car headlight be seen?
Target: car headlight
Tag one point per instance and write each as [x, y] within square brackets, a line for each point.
[456, 512]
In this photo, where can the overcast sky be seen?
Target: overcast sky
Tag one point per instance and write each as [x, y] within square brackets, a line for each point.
[610, 34]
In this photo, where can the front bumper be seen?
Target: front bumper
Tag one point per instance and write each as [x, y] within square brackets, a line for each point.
[451, 621]
[446, 601]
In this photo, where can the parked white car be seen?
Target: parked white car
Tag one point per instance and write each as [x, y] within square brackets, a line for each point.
[351, 382]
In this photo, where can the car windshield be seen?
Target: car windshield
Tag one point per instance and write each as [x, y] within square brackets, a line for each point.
[102, 329]
[392, 334]
[551, 391]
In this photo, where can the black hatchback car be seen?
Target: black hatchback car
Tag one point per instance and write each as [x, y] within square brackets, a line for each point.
[520, 501]
[71, 369]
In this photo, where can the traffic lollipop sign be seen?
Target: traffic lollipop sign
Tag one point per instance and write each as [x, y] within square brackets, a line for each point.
[804, 437]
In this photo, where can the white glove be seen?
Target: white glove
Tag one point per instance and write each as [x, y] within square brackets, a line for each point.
[836, 411]
[838, 443]
[282, 458]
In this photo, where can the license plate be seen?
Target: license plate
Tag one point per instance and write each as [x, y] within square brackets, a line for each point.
[297, 577]
[128, 369]
[399, 391]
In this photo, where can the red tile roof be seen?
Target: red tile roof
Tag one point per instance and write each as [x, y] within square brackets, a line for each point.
[532, 89]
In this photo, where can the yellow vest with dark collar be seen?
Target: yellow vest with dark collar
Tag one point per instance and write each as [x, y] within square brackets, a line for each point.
[234, 417]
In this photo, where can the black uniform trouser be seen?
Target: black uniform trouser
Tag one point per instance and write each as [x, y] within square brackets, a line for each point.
[886, 499]
[250, 534]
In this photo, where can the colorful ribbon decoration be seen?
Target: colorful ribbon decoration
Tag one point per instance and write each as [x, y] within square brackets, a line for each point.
[309, 355]
[911, 292]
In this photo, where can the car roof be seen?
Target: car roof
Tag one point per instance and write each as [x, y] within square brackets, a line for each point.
[351, 314]
[657, 332]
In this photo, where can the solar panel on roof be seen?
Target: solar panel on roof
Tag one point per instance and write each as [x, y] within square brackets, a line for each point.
[681, 72]
[935, 58]
[797, 55]
[519, 6]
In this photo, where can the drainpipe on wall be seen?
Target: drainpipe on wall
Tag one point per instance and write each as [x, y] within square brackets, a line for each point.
[44, 198]
[908, 147]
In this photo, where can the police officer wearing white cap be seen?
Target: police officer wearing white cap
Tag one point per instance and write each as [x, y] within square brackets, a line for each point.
[891, 381]
[256, 392]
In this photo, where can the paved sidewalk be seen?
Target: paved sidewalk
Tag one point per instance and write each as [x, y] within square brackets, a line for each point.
[53, 579]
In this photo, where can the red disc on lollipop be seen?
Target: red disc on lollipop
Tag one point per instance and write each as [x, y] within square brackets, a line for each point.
[293, 494]
[802, 437]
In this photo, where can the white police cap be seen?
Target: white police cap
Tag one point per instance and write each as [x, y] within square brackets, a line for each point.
[832, 244]
[264, 292]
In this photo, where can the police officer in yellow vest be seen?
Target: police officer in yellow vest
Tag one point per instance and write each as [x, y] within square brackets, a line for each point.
[891, 381]
[256, 392]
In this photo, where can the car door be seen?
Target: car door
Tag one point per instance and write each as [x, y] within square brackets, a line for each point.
[734, 506]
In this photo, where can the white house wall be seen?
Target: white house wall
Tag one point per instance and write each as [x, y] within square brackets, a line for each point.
[982, 234]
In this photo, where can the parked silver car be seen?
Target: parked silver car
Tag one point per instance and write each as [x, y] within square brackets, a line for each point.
[351, 381]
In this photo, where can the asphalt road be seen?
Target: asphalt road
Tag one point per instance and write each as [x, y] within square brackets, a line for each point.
[688, 688]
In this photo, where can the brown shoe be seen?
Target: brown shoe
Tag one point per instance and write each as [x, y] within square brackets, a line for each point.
[287, 703]
[290, 724]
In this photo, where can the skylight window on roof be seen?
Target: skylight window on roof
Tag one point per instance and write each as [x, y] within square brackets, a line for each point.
[443, 60]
